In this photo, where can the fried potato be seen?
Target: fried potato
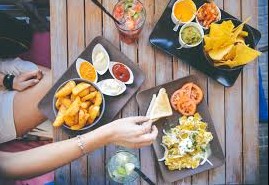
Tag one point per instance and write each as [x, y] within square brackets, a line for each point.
[74, 107]
[66, 102]
[90, 96]
[92, 89]
[72, 97]
[71, 120]
[66, 90]
[59, 121]
[83, 118]
[79, 88]
[58, 103]
[94, 112]
[85, 105]
[98, 99]
[84, 93]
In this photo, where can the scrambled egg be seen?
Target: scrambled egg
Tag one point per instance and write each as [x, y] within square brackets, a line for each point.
[187, 144]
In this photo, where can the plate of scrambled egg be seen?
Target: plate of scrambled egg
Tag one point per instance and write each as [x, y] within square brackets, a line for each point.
[186, 145]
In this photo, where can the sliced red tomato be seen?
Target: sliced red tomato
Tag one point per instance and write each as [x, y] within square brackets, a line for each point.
[193, 92]
[174, 99]
[186, 107]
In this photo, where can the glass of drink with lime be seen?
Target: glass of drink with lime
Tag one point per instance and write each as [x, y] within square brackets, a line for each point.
[121, 167]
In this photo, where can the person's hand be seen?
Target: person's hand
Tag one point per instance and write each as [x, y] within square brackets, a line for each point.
[133, 132]
[26, 80]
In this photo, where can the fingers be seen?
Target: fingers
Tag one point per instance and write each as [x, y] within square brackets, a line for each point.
[30, 75]
[29, 83]
[145, 127]
[150, 137]
[137, 119]
[39, 75]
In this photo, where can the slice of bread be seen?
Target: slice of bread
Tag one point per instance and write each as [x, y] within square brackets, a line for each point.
[160, 106]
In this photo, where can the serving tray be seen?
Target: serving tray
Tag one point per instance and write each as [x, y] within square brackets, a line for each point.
[164, 38]
[217, 157]
[113, 104]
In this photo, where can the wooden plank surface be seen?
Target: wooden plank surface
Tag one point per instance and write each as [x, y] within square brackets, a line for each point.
[59, 63]
[147, 64]
[164, 65]
[110, 33]
[250, 88]
[233, 117]
[76, 44]
[234, 110]
[216, 98]
[93, 28]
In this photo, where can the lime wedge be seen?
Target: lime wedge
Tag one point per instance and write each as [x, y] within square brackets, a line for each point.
[129, 168]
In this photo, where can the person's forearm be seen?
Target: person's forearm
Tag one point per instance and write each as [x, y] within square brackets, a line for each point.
[47, 158]
[1, 79]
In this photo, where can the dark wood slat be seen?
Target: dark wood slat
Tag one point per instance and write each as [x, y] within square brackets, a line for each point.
[76, 44]
[215, 99]
[93, 28]
[59, 65]
[110, 33]
[147, 64]
[250, 107]
[233, 116]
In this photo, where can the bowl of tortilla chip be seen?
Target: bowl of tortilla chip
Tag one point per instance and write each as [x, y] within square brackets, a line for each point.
[229, 44]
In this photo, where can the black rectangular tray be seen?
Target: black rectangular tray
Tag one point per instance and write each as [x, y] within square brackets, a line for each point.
[113, 104]
[164, 38]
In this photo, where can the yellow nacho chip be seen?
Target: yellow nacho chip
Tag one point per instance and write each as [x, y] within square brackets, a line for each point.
[225, 45]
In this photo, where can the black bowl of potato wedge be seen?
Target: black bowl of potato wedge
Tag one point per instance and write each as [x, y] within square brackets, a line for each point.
[78, 105]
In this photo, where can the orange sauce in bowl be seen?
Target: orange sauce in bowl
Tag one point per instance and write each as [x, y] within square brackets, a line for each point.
[184, 10]
[87, 71]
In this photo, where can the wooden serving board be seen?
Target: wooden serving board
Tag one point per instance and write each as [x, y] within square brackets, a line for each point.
[217, 157]
[113, 104]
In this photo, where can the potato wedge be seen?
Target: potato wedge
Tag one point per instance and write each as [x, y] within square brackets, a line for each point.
[98, 99]
[85, 105]
[92, 89]
[74, 107]
[71, 120]
[66, 90]
[59, 121]
[93, 111]
[66, 102]
[79, 88]
[84, 92]
[91, 96]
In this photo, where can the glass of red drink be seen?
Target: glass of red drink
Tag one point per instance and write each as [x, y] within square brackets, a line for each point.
[132, 16]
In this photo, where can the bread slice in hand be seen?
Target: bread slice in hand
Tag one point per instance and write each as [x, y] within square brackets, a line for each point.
[160, 106]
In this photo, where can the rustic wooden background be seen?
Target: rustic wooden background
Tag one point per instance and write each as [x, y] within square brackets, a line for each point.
[74, 23]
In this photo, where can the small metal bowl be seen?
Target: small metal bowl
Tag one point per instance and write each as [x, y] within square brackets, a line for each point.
[79, 80]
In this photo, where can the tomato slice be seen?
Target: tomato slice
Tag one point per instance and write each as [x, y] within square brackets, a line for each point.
[193, 92]
[174, 99]
[186, 107]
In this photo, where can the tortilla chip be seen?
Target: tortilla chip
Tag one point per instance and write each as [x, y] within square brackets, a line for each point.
[231, 55]
[243, 34]
[218, 54]
[244, 55]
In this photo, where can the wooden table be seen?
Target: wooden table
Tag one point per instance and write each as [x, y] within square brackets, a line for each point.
[74, 23]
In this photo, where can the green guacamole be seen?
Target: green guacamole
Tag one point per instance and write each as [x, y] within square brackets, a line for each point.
[191, 35]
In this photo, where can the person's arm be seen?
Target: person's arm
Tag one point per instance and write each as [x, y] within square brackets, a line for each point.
[24, 81]
[125, 132]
